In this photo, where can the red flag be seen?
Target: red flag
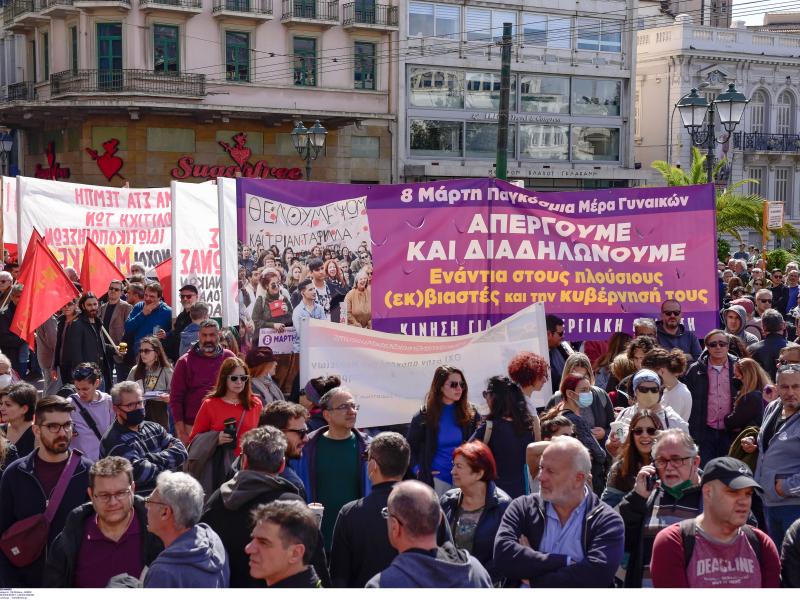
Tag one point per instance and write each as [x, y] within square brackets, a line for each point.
[35, 236]
[97, 270]
[46, 288]
[164, 274]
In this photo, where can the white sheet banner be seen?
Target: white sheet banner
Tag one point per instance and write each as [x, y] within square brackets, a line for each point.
[389, 374]
[226, 190]
[10, 211]
[196, 247]
[279, 343]
[271, 223]
[130, 224]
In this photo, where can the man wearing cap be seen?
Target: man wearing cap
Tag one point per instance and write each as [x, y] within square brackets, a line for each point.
[262, 364]
[188, 297]
[717, 548]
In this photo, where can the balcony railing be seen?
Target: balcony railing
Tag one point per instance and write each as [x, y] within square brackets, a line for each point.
[45, 4]
[253, 7]
[766, 142]
[129, 81]
[311, 10]
[187, 4]
[16, 92]
[15, 8]
[376, 14]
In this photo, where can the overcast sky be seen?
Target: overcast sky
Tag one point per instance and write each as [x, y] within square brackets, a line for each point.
[753, 11]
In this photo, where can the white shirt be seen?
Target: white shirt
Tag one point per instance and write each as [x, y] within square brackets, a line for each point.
[668, 417]
[679, 398]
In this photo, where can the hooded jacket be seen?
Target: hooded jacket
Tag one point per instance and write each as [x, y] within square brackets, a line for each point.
[780, 459]
[747, 337]
[449, 568]
[60, 569]
[697, 382]
[194, 376]
[229, 514]
[139, 324]
[682, 339]
[307, 465]
[196, 559]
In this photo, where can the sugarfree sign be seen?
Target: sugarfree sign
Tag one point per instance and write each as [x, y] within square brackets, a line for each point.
[239, 154]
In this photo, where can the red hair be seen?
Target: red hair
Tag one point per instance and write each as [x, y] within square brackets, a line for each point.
[479, 458]
[526, 368]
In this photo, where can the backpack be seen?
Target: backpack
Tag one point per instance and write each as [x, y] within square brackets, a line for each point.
[688, 532]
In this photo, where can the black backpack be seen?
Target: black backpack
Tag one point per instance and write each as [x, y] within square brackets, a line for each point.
[688, 532]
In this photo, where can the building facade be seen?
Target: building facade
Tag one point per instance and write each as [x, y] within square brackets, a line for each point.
[145, 91]
[571, 91]
[764, 65]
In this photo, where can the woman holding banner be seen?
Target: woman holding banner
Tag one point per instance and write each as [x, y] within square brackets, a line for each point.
[445, 422]
[358, 303]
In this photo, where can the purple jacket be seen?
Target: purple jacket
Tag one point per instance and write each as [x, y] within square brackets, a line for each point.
[194, 376]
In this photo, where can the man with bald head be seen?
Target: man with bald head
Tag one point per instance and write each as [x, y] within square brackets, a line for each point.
[412, 519]
[562, 537]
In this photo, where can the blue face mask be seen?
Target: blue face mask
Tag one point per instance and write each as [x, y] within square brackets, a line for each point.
[585, 399]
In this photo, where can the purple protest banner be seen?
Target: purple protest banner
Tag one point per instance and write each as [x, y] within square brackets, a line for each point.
[452, 257]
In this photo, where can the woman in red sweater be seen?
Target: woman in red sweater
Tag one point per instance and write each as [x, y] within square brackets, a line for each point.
[231, 398]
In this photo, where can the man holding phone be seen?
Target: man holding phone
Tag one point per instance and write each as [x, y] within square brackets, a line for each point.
[152, 316]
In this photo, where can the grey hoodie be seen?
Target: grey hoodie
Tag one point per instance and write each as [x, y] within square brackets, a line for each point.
[747, 337]
[197, 559]
[247, 485]
[781, 460]
[450, 568]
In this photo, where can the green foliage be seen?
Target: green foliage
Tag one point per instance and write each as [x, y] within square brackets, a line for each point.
[779, 258]
[723, 248]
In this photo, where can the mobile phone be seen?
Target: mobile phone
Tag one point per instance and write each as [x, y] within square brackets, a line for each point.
[229, 427]
[650, 482]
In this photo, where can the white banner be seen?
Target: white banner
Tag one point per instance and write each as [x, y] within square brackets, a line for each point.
[279, 343]
[10, 211]
[131, 225]
[196, 246]
[389, 374]
[226, 189]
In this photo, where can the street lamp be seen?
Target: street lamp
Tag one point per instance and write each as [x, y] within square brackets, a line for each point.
[309, 142]
[6, 144]
[696, 110]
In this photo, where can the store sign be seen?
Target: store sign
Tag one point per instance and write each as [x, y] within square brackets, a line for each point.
[240, 154]
[108, 162]
[515, 118]
[54, 171]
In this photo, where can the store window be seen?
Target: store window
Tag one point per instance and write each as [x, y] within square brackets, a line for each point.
[436, 138]
[547, 30]
[237, 56]
[599, 35]
[305, 61]
[426, 19]
[595, 143]
[597, 97]
[544, 94]
[436, 88]
[482, 91]
[480, 140]
[364, 66]
[165, 49]
[544, 142]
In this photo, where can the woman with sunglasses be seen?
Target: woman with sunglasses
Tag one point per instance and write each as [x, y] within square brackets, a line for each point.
[445, 422]
[153, 374]
[634, 454]
[230, 408]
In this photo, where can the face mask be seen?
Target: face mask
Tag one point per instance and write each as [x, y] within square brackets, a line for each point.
[135, 417]
[678, 490]
[585, 399]
[647, 399]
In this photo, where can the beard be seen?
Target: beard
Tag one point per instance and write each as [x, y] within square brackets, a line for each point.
[57, 446]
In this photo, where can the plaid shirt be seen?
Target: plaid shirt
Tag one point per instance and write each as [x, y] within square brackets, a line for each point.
[151, 450]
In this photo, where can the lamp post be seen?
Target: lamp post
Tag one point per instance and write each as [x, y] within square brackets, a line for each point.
[309, 142]
[6, 144]
[695, 110]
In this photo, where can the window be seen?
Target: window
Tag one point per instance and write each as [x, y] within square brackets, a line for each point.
[595, 143]
[783, 116]
[433, 20]
[237, 56]
[498, 18]
[598, 35]
[600, 97]
[544, 142]
[782, 189]
[534, 29]
[757, 175]
[481, 140]
[364, 66]
[109, 55]
[544, 94]
[436, 138]
[165, 49]
[758, 112]
[547, 30]
[46, 55]
[365, 146]
[305, 61]
[73, 49]
[435, 88]
[477, 23]
[482, 91]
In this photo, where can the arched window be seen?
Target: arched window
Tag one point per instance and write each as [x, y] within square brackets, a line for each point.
[784, 113]
[758, 112]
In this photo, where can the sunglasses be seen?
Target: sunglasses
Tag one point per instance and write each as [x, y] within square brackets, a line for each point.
[83, 373]
[236, 378]
[301, 432]
[146, 350]
[186, 296]
[457, 384]
[114, 289]
[651, 431]
[672, 313]
[765, 301]
[717, 345]
[648, 390]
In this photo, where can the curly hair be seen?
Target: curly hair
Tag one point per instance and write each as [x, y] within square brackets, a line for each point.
[526, 368]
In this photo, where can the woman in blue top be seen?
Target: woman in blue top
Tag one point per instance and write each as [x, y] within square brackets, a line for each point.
[445, 422]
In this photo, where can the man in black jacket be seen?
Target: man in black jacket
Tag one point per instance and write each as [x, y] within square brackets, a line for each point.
[172, 343]
[84, 342]
[105, 537]
[790, 557]
[780, 293]
[258, 482]
[767, 351]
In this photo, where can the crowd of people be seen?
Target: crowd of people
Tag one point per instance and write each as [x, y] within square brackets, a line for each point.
[165, 452]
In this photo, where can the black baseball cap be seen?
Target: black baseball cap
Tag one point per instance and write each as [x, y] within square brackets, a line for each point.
[730, 471]
[189, 288]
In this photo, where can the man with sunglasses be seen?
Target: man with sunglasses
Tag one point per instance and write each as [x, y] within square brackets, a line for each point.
[28, 483]
[172, 343]
[780, 293]
[558, 348]
[115, 312]
[290, 418]
[670, 333]
[767, 351]
[105, 537]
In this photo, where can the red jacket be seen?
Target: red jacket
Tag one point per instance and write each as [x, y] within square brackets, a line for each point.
[195, 375]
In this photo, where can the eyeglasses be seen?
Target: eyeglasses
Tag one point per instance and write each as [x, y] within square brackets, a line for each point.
[54, 428]
[131, 405]
[347, 406]
[114, 289]
[717, 345]
[678, 462]
[558, 333]
[765, 301]
[646, 390]
[672, 313]
[457, 384]
[777, 276]
[386, 514]
[145, 350]
[640, 430]
[236, 378]
[187, 296]
[108, 497]
[301, 432]
[783, 361]
[149, 500]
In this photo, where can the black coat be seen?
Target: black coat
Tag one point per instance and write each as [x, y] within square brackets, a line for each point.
[697, 382]
[172, 343]
[790, 557]
[10, 343]
[83, 342]
[767, 351]
[59, 572]
[780, 298]
[497, 502]
[424, 440]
